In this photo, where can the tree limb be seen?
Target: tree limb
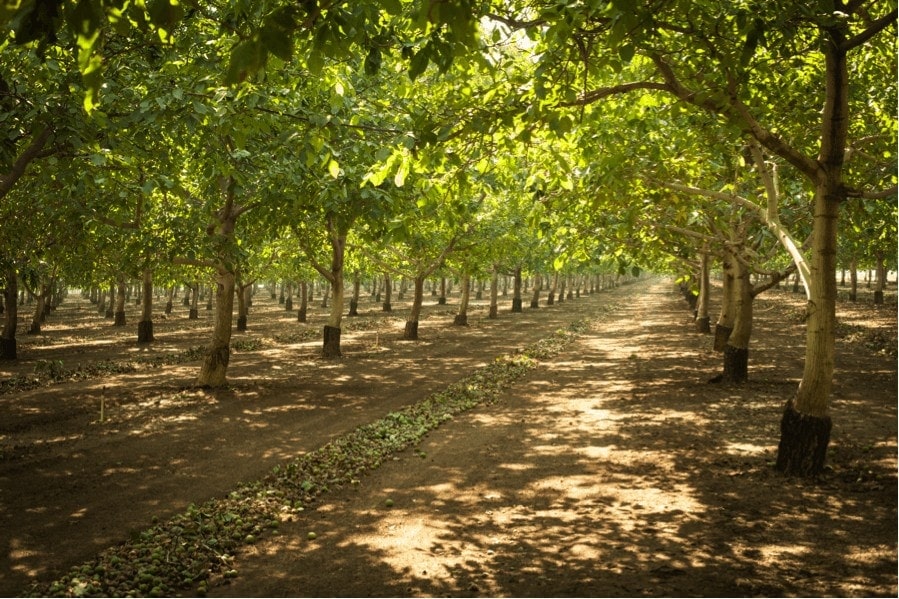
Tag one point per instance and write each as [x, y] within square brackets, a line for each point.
[28, 154]
[875, 28]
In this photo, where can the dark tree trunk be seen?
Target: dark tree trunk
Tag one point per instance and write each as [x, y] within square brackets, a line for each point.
[704, 324]
[803, 442]
[388, 289]
[410, 333]
[145, 331]
[145, 324]
[722, 334]
[193, 314]
[242, 323]
[516, 291]
[736, 364]
[10, 318]
[304, 301]
[441, 299]
[331, 345]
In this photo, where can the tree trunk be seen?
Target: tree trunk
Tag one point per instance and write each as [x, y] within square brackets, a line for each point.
[214, 371]
[538, 286]
[725, 324]
[388, 286]
[331, 345]
[703, 320]
[37, 317]
[441, 299]
[493, 311]
[240, 290]
[120, 303]
[881, 273]
[170, 299]
[145, 325]
[516, 290]
[461, 318]
[853, 280]
[304, 301]
[411, 331]
[194, 313]
[10, 315]
[354, 301]
[551, 296]
[110, 305]
[736, 351]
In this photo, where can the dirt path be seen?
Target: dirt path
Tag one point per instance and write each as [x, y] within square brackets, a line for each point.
[70, 486]
[612, 470]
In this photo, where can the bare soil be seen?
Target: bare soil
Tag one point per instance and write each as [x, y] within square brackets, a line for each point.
[614, 469]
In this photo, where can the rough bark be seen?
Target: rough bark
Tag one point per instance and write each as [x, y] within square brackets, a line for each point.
[388, 288]
[703, 319]
[11, 315]
[516, 290]
[725, 324]
[410, 333]
[354, 301]
[145, 324]
[853, 280]
[461, 318]
[120, 303]
[441, 299]
[804, 438]
[493, 311]
[304, 301]
[535, 297]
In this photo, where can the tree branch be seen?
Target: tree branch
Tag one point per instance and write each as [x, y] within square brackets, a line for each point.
[875, 28]
[28, 154]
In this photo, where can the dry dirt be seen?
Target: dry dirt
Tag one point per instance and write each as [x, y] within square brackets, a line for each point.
[614, 469]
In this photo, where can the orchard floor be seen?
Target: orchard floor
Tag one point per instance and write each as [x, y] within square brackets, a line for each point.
[614, 469]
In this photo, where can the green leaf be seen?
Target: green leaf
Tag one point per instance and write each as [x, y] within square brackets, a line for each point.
[373, 61]
[276, 33]
[418, 64]
[246, 59]
[626, 52]
[334, 168]
[165, 15]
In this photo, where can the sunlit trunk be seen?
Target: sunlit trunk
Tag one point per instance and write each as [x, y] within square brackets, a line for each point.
[727, 314]
[461, 318]
[493, 311]
[516, 290]
[410, 332]
[145, 325]
[703, 320]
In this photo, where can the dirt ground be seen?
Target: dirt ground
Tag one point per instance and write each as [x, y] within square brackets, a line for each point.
[614, 469]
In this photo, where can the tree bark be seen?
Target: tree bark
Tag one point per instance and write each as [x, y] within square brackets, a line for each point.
[806, 423]
[145, 324]
[493, 311]
[703, 320]
[10, 315]
[354, 301]
[388, 287]
[881, 273]
[551, 296]
[461, 318]
[441, 299]
[538, 286]
[853, 280]
[725, 324]
[736, 350]
[120, 303]
[194, 312]
[410, 333]
[516, 290]
[304, 301]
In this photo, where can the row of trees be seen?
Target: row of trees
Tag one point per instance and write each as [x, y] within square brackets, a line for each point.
[246, 138]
